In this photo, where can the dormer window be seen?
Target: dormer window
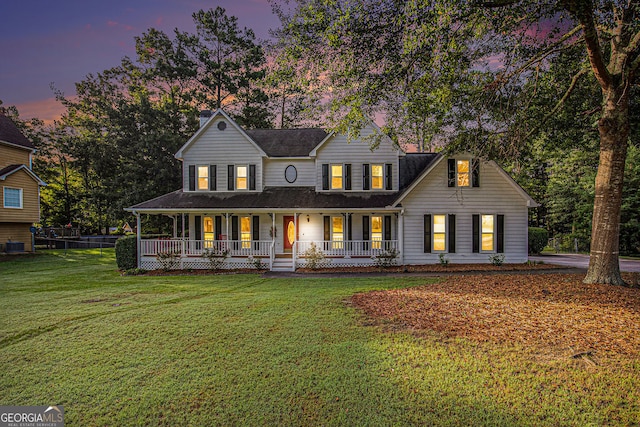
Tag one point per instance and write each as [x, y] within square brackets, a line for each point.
[203, 177]
[241, 177]
[463, 173]
[377, 177]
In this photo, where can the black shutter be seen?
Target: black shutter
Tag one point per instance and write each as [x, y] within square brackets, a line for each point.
[452, 234]
[475, 231]
[327, 231]
[349, 227]
[192, 178]
[198, 224]
[387, 231]
[213, 182]
[230, 177]
[475, 173]
[347, 176]
[325, 177]
[255, 228]
[388, 176]
[366, 176]
[427, 234]
[500, 234]
[234, 228]
[218, 227]
[366, 232]
[252, 177]
[451, 166]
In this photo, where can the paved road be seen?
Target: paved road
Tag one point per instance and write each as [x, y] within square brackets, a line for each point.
[582, 261]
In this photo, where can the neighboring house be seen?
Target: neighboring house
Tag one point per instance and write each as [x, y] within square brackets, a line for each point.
[271, 194]
[20, 206]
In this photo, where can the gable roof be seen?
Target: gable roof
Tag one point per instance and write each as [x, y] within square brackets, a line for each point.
[11, 169]
[10, 133]
[207, 125]
[287, 142]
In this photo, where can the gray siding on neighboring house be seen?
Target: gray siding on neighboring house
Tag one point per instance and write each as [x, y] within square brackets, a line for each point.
[496, 195]
[222, 148]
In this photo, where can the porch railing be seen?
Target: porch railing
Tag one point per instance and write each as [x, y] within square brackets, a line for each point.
[351, 248]
[238, 248]
[264, 248]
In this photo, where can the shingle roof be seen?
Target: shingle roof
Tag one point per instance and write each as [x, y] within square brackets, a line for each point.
[412, 165]
[8, 170]
[287, 142]
[269, 198]
[10, 133]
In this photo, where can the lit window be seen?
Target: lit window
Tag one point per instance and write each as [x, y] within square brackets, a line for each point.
[377, 177]
[462, 168]
[487, 232]
[245, 232]
[203, 177]
[13, 198]
[209, 234]
[376, 232]
[336, 177]
[337, 232]
[241, 178]
[439, 233]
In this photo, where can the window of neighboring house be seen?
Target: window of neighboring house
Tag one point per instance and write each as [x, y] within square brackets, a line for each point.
[241, 177]
[337, 232]
[336, 177]
[12, 198]
[245, 231]
[439, 233]
[203, 177]
[487, 237]
[376, 232]
[377, 177]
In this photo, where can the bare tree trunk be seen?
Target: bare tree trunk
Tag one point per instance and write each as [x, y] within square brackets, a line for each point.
[613, 127]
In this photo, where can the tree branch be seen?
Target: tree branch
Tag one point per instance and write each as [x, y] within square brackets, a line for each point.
[583, 10]
[560, 103]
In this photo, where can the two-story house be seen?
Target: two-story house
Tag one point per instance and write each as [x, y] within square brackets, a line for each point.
[270, 194]
[20, 206]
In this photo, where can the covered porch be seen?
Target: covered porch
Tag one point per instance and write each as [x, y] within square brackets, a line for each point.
[276, 240]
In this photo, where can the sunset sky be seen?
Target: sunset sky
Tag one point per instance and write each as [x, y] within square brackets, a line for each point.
[60, 42]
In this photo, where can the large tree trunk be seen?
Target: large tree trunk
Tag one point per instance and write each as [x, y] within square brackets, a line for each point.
[613, 127]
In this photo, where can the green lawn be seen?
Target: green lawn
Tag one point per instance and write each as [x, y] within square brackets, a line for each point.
[246, 350]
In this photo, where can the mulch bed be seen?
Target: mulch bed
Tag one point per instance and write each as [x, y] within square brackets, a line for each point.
[552, 312]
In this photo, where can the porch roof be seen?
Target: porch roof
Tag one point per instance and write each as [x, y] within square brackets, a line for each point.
[271, 198]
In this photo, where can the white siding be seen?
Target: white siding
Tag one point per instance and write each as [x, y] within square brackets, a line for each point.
[274, 172]
[338, 150]
[222, 148]
[494, 196]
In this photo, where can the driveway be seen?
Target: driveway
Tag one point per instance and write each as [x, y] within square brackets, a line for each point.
[582, 261]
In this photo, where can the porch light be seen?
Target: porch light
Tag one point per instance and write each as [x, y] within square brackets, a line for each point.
[307, 217]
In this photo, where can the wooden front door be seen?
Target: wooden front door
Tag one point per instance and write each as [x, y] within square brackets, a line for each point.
[289, 233]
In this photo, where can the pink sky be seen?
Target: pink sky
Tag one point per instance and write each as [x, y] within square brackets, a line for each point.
[45, 42]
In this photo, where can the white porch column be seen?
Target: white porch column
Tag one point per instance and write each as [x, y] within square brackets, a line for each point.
[138, 238]
[401, 236]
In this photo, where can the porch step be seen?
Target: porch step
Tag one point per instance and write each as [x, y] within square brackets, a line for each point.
[282, 264]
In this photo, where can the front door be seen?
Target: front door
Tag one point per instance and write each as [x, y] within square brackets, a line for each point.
[288, 232]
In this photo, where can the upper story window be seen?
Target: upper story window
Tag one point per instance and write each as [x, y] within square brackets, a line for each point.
[463, 173]
[203, 177]
[336, 176]
[241, 177]
[377, 176]
[12, 198]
